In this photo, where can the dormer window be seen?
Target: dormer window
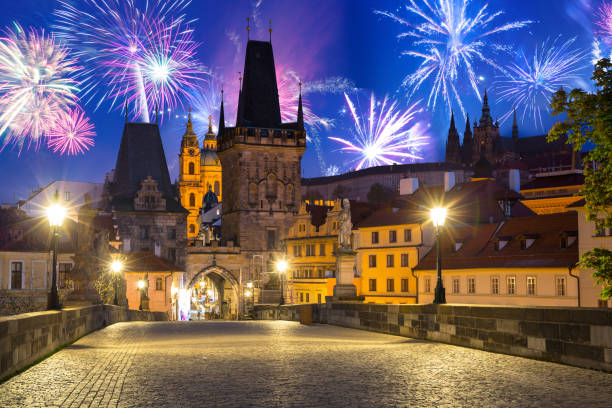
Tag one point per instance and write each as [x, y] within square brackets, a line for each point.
[567, 239]
[458, 246]
[502, 242]
[527, 240]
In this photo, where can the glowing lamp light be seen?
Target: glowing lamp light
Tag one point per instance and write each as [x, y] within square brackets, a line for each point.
[116, 266]
[56, 214]
[282, 266]
[247, 293]
[173, 290]
[250, 285]
[141, 284]
[438, 216]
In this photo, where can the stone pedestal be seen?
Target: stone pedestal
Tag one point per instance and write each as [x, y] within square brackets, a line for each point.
[345, 267]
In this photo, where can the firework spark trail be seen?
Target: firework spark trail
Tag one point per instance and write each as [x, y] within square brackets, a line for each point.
[604, 22]
[37, 81]
[72, 133]
[386, 136]
[449, 42]
[205, 102]
[288, 97]
[122, 43]
[531, 81]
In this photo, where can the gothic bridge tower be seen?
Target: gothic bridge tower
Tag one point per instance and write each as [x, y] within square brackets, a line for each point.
[261, 159]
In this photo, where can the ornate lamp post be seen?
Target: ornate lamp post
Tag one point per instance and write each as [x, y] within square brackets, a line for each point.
[281, 267]
[116, 267]
[141, 285]
[56, 214]
[438, 216]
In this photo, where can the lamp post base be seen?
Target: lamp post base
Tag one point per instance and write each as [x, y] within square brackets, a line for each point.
[439, 294]
[53, 302]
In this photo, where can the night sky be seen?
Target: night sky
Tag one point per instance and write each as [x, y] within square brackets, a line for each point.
[333, 47]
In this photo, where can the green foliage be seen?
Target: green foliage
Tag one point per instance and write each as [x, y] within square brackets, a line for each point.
[380, 194]
[588, 123]
[312, 195]
[600, 260]
[104, 285]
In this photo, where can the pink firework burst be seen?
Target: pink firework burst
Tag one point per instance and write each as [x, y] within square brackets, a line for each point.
[604, 22]
[72, 133]
[288, 96]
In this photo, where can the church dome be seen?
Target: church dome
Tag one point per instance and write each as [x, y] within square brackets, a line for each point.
[209, 158]
[210, 199]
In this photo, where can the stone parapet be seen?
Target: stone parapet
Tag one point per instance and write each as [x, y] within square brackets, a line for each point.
[28, 337]
[576, 336]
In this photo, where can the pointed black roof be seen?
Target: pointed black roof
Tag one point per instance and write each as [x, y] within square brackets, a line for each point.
[486, 119]
[258, 103]
[141, 154]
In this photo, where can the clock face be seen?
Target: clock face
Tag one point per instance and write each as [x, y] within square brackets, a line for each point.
[191, 152]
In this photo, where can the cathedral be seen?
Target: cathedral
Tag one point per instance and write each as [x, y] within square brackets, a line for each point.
[532, 155]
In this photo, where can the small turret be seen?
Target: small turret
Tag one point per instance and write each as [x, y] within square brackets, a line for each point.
[466, 149]
[300, 114]
[453, 148]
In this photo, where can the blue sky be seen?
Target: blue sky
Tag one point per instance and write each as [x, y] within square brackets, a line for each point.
[319, 42]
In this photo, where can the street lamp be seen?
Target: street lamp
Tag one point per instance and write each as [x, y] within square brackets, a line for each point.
[281, 267]
[438, 216]
[141, 285]
[116, 267]
[56, 214]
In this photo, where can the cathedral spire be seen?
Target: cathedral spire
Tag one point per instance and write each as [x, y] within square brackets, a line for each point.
[466, 149]
[300, 114]
[248, 29]
[221, 117]
[452, 124]
[453, 148]
[270, 31]
[486, 119]
[514, 127]
[126, 116]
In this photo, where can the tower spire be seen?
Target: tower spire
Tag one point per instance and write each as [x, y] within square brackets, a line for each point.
[240, 79]
[156, 113]
[248, 28]
[453, 148]
[467, 147]
[486, 119]
[452, 124]
[209, 123]
[270, 31]
[300, 114]
[221, 116]
[126, 116]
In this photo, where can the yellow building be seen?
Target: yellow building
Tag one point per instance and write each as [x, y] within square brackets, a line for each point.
[523, 261]
[551, 193]
[199, 171]
[311, 245]
[388, 248]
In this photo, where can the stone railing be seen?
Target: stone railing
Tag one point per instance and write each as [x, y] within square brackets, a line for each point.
[28, 337]
[575, 336]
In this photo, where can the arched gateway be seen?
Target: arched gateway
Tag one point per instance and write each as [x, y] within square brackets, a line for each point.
[213, 294]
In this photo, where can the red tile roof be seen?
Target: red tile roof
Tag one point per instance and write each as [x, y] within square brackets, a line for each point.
[145, 261]
[479, 250]
[561, 180]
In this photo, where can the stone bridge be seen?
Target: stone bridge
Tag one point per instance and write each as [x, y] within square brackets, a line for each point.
[285, 364]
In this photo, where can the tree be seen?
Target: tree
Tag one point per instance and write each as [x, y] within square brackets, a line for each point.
[380, 194]
[312, 196]
[588, 121]
[340, 192]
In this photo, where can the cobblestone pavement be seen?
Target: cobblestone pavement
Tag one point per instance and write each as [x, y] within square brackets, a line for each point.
[284, 364]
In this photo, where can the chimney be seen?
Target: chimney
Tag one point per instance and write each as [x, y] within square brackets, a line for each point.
[449, 180]
[409, 185]
[158, 249]
[514, 180]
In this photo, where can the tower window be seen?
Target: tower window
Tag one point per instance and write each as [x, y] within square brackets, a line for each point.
[191, 168]
[216, 189]
[192, 200]
[192, 229]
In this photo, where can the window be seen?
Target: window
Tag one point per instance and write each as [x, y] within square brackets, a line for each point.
[407, 235]
[64, 275]
[495, 285]
[192, 200]
[301, 296]
[172, 254]
[390, 285]
[563, 242]
[372, 284]
[523, 244]
[271, 239]
[372, 261]
[307, 297]
[171, 233]
[217, 189]
[16, 275]
[511, 283]
[321, 249]
[531, 285]
[455, 285]
[560, 285]
[427, 285]
[404, 260]
[390, 261]
[191, 168]
[602, 303]
[310, 250]
[191, 228]
[471, 282]
[375, 237]
[159, 284]
[144, 232]
[404, 285]
[392, 236]
[67, 195]
[318, 298]
[297, 251]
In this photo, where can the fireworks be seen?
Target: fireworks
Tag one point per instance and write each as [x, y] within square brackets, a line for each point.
[144, 55]
[72, 133]
[531, 82]
[604, 23]
[386, 136]
[449, 42]
[205, 102]
[37, 82]
[288, 96]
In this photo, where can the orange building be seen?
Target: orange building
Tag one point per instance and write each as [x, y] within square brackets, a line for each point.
[554, 192]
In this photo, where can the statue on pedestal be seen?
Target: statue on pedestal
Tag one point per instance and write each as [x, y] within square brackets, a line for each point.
[345, 225]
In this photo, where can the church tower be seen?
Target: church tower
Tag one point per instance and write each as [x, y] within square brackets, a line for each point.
[486, 135]
[466, 149]
[210, 165]
[261, 160]
[453, 148]
[190, 184]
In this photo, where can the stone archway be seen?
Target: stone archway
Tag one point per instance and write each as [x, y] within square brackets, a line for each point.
[214, 294]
